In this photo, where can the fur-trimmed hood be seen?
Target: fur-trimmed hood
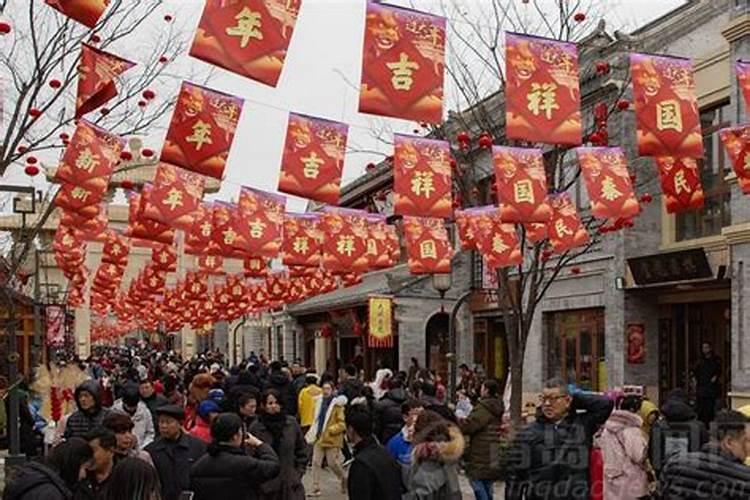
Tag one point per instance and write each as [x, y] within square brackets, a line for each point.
[447, 452]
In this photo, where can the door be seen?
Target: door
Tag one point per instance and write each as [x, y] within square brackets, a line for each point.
[438, 344]
[577, 347]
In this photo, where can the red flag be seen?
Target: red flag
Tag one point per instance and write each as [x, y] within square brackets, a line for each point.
[164, 257]
[737, 143]
[90, 229]
[86, 12]
[535, 231]
[402, 64]
[97, 72]
[565, 228]
[313, 158]
[202, 130]
[83, 201]
[521, 184]
[680, 184]
[90, 157]
[496, 240]
[175, 197]
[259, 221]
[427, 245]
[743, 79]
[345, 233]
[543, 98]
[116, 249]
[247, 37]
[608, 183]
[302, 240]
[142, 228]
[666, 108]
[201, 231]
[379, 251]
[226, 239]
[422, 177]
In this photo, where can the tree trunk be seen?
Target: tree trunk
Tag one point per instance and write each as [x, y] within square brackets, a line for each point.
[516, 386]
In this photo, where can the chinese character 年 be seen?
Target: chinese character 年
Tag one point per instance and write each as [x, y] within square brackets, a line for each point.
[201, 134]
[249, 25]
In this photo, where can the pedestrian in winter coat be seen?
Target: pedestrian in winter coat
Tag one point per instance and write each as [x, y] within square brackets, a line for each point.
[152, 399]
[388, 417]
[57, 478]
[649, 413]
[283, 433]
[306, 402]
[549, 459]
[483, 427]
[143, 424]
[327, 436]
[625, 453]
[718, 470]
[351, 386]
[438, 447]
[127, 443]
[207, 412]
[90, 413]
[428, 396]
[280, 381]
[227, 471]
[133, 479]
[400, 446]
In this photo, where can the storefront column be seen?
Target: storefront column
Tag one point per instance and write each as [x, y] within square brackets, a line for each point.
[740, 387]
[83, 332]
[188, 343]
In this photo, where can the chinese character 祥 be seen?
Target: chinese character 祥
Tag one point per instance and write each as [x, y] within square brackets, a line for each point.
[78, 193]
[249, 25]
[229, 236]
[669, 115]
[201, 134]
[173, 199]
[562, 229]
[609, 190]
[345, 245]
[523, 191]
[402, 71]
[542, 98]
[256, 228]
[427, 249]
[498, 246]
[680, 183]
[86, 160]
[422, 183]
[301, 245]
[312, 164]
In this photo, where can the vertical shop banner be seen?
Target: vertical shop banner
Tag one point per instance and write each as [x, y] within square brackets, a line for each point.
[422, 177]
[380, 322]
[636, 338]
[521, 184]
[666, 108]
[496, 240]
[86, 12]
[403, 61]
[175, 197]
[428, 247]
[247, 37]
[543, 97]
[736, 141]
[301, 245]
[260, 222]
[90, 158]
[313, 158]
[743, 81]
[97, 75]
[680, 184]
[565, 230]
[55, 325]
[202, 129]
[608, 183]
[345, 233]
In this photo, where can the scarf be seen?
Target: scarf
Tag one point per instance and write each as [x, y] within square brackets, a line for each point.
[324, 404]
[275, 425]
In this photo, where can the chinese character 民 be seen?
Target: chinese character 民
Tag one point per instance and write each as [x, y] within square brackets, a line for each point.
[680, 183]
[668, 115]
[609, 190]
[421, 184]
[311, 165]
[201, 134]
[498, 246]
[249, 25]
[173, 199]
[87, 160]
[300, 245]
[427, 249]
[256, 228]
[542, 98]
[402, 71]
[164, 257]
[561, 229]
[345, 245]
[523, 191]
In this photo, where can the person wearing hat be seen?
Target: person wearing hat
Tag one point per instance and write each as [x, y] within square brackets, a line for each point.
[174, 452]
[207, 412]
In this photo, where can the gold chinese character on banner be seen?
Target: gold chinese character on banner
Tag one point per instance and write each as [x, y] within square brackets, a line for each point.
[256, 228]
[542, 97]
[422, 184]
[498, 245]
[523, 191]
[164, 257]
[249, 25]
[311, 165]
[747, 161]
[301, 245]
[209, 262]
[372, 247]
[562, 229]
[86, 160]
[427, 249]
[173, 199]
[345, 245]
[609, 190]
[669, 115]
[229, 236]
[78, 193]
[402, 71]
[206, 229]
[201, 134]
[680, 183]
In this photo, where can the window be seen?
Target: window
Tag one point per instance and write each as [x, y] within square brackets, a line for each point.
[576, 347]
[715, 213]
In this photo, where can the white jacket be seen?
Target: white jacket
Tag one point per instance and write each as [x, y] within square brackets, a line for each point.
[143, 423]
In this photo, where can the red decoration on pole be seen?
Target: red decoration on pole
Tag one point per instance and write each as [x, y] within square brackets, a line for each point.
[422, 177]
[737, 143]
[565, 228]
[521, 184]
[427, 245]
[97, 72]
[680, 184]
[608, 183]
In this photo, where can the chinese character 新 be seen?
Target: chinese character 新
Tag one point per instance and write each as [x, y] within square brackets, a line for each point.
[680, 183]
[301, 245]
[345, 245]
[201, 134]
[609, 190]
[402, 71]
[311, 165]
[78, 193]
[256, 228]
[542, 98]
[422, 184]
[173, 199]
[427, 249]
[523, 191]
[669, 115]
[249, 25]
[86, 160]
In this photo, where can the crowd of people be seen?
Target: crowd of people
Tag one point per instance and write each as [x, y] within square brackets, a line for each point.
[149, 426]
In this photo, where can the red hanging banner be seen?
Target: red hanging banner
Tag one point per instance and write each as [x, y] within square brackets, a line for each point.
[175, 197]
[743, 80]
[83, 201]
[464, 229]
[226, 239]
[402, 64]
[535, 231]
[422, 177]
[164, 258]
[247, 37]
[736, 140]
[86, 12]
[521, 184]
[666, 109]
[313, 158]
[680, 184]
[302, 240]
[142, 228]
[256, 267]
[608, 183]
[210, 264]
[496, 241]
[345, 233]
[202, 130]
[565, 229]
[90, 158]
[259, 221]
[543, 97]
[97, 73]
[427, 245]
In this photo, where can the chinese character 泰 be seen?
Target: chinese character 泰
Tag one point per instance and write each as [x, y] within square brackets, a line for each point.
[301, 245]
[422, 183]
[201, 134]
[345, 245]
[680, 183]
[562, 229]
[86, 160]
[427, 249]
[523, 191]
[249, 25]
[609, 190]
[498, 246]
[256, 228]
[402, 71]
[542, 98]
[669, 115]
[173, 199]
[311, 165]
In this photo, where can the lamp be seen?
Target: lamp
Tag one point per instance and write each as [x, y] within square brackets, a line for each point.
[442, 282]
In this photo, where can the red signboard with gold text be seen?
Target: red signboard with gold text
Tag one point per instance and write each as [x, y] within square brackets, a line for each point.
[427, 244]
[565, 228]
[680, 184]
[608, 183]
[90, 158]
[345, 233]
[422, 177]
[543, 97]
[260, 220]
[737, 143]
[86, 12]
[97, 72]
[402, 64]
[175, 197]
[496, 240]
[521, 184]
[302, 240]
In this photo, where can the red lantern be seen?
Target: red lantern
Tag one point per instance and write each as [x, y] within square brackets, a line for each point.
[163, 59]
[22, 149]
[4, 28]
[485, 141]
[370, 167]
[647, 198]
[579, 17]
[95, 39]
[64, 136]
[463, 137]
[31, 170]
[623, 105]
[31, 160]
[633, 177]
[35, 113]
[142, 104]
[55, 84]
[149, 94]
[546, 255]
[602, 67]
[168, 18]
[576, 270]
[326, 332]
[147, 153]
[104, 111]
[126, 156]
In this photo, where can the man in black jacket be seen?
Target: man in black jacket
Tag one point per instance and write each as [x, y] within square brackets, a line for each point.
[174, 452]
[90, 414]
[152, 399]
[549, 459]
[388, 417]
[351, 386]
[373, 475]
[718, 470]
[279, 380]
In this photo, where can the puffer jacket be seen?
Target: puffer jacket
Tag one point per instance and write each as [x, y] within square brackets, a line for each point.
[435, 467]
[35, 481]
[306, 404]
[143, 424]
[679, 431]
[711, 473]
[79, 423]
[485, 452]
[334, 425]
[388, 417]
[625, 453]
